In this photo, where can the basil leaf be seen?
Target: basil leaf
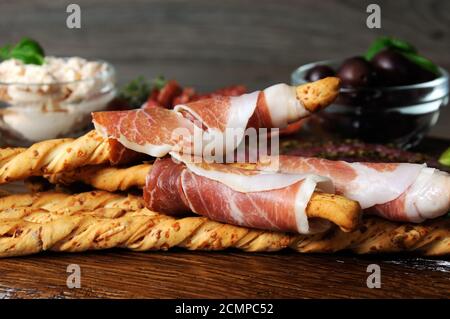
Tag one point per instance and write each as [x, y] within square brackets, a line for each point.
[28, 57]
[26, 44]
[422, 62]
[401, 45]
[27, 50]
[388, 42]
[5, 52]
[445, 158]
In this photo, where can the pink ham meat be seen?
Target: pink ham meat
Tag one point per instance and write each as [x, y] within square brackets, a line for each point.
[148, 131]
[399, 192]
[151, 130]
[256, 199]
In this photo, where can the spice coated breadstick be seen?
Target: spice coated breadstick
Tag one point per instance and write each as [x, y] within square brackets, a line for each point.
[59, 155]
[58, 201]
[104, 177]
[144, 230]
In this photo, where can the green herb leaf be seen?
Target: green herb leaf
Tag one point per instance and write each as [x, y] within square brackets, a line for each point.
[29, 45]
[159, 82]
[136, 92]
[445, 158]
[27, 50]
[388, 42]
[5, 52]
[422, 62]
[403, 47]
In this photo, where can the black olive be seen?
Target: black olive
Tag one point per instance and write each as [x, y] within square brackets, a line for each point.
[319, 72]
[395, 69]
[356, 72]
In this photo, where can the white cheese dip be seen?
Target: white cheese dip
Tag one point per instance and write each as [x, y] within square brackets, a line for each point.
[53, 99]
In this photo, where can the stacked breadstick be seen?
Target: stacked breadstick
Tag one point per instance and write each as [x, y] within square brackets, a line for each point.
[32, 223]
[101, 219]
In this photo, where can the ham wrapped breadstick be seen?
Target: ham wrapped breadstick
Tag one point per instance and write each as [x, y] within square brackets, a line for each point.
[172, 188]
[247, 197]
[158, 131]
[400, 192]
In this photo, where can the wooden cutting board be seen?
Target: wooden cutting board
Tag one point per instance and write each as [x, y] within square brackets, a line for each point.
[230, 274]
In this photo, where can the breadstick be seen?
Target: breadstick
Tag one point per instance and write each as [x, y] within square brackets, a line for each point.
[140, 230]
[319, 94]
[143, 230]
[59, 155]
[58, 201]
[377, 235]
[104, 177]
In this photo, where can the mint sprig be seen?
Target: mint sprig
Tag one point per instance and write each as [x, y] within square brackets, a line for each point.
[27, 50]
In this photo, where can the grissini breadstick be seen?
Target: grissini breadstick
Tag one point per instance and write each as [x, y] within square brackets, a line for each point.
[144, 230]
[59, 155]
[334, 208]
[140, 230]
[104, 177]
[377, 235]
[58, 201]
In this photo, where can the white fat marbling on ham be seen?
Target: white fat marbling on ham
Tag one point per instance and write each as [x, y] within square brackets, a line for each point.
[246, 180]
[430, 194]
[400, 192]
[371, 186]
[283, 105]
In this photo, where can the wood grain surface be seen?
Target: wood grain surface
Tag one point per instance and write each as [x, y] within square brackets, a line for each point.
[209, 44]
[180, 274]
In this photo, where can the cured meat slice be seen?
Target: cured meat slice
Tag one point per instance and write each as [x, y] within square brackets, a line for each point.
[251, 198]
[222, 120]
[150, 131]
[396, 191]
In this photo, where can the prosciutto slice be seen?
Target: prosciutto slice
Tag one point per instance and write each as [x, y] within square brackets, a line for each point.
[399, 192]
[224, 193]
[155, 131]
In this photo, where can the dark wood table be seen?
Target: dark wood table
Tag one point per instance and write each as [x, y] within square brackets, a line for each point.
[229, 274]
[181, 274]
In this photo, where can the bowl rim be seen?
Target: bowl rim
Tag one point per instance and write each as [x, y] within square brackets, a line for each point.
[110, 71]
[443, 79]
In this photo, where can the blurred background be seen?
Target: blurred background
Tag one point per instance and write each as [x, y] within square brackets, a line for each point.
[209, 44]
